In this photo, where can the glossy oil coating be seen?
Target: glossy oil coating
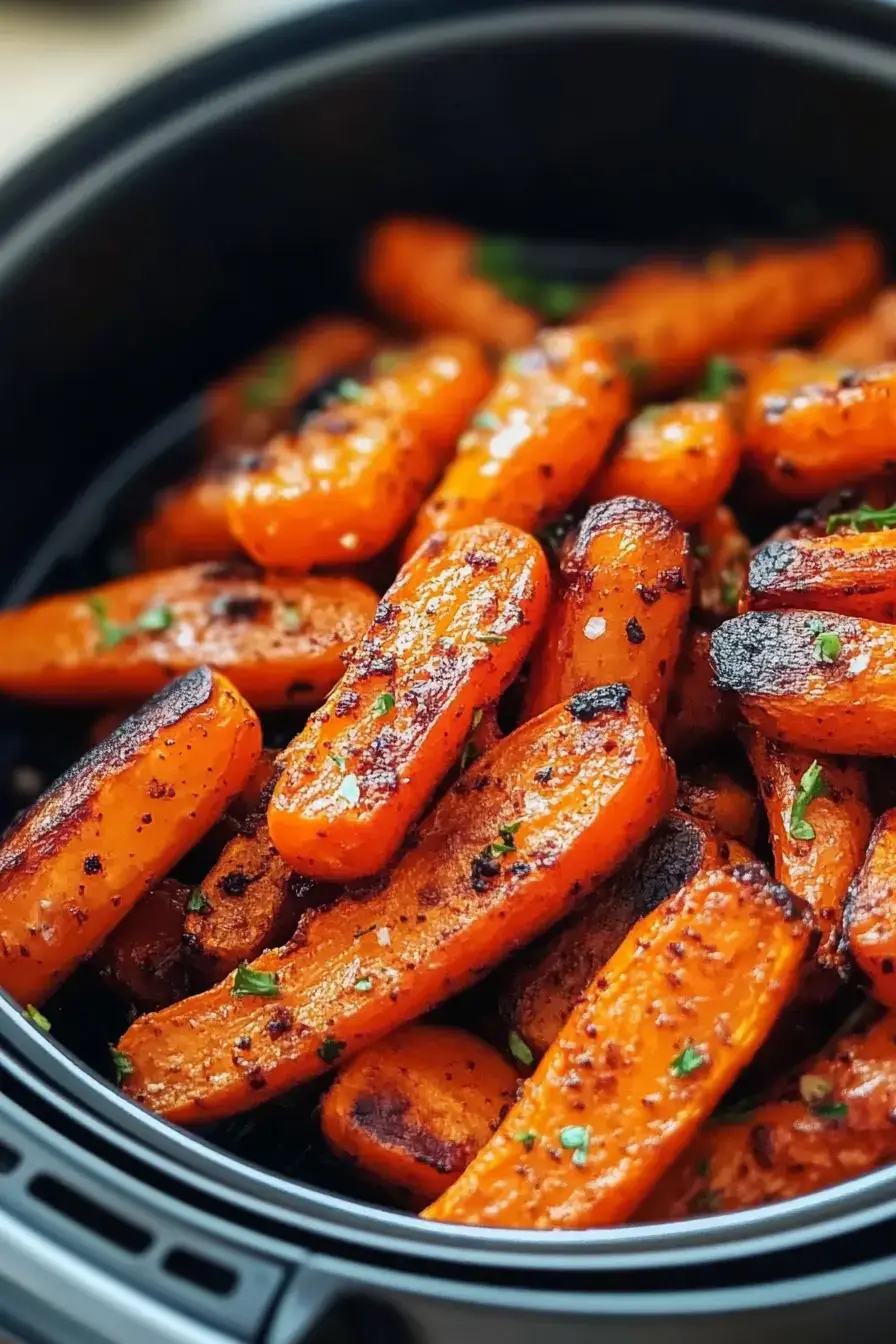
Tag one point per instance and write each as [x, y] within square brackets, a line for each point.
[854, 574]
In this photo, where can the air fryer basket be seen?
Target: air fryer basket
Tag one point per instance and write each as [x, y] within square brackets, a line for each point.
[152, 250]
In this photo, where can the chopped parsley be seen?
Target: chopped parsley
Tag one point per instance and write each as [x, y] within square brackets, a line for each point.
[719, 375]
[122, 1064]
[491, 638]
[827, 644]
[350, 790]
[864, 519]
[155, 618]
[831, 1110]
[363, 985]
[331, 1050]
[812, 786]
[37, 1017]
[520, 1050]
[688, 1061]
[198, 902]
[271, 386]
[576, 1137]
[501, 260]
[729, 587]
[383, 704]
[508, 832]
[254, 984]
[527, 1138]
[337, 760]
[486, 420]
[349, 389]
[112, 633]
[291, 618]
[468, 755]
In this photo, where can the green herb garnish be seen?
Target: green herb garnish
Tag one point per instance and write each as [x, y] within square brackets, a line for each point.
[291, 618]
[331, 1050]
[112, 633]
[501, 260]
[122, 1064]
[719, 374]
[383, 704]
[337, 760]
[811, 786]
[271, 386]
[520, 1050]
[576, 1137]
[827, 644]
[864, 519]
[468, 755]
[37, 1017]
[349, 790]
[831, 1110]
[527, 1138]
[198, 902]
[729, 587]
[508, 832]
[155, 618]
[364, 984]
[349, 389]
[254, 984]
[689, 1061]
[486, 420]
[490, 638]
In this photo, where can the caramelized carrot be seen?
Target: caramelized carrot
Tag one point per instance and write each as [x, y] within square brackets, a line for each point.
[854, 574]
[448, 637]
[870, 917]
[142, 960]
[682, 456]
[721, 558]
[698, 711]
[503, 855]
[80, 858]
[280, 639]
[716, 798]
[842, 701]
[425, 273]
[412, 1110]
[867, 339]
[639, 1065]
[621, 607]
[535, 441]
[817, 848]
[343, 488]
[189, 522]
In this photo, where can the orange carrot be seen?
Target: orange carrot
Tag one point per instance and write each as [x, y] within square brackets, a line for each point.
[870, 916]
[867, 339]
[189, 522]
[142, 960]
[717, 799]
[722, 555]
[853, 574]
[698, 711]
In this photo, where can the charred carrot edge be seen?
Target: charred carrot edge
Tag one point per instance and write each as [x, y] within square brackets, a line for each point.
[841, 704]
[727, 806]
[344, 487]
[548, 985]
[682, 456]
[817, 848]
[412, 1110]
[867, 339]
[841, 1128]
[536, 439]
[620, 609]
[870, 916]
[585, 783]
[280, 639]
[721, 559]
[625, 1087]
[142, 960]
[459, 619]
[424, 272]
[698, 712]
[110, 828]
[853, 574]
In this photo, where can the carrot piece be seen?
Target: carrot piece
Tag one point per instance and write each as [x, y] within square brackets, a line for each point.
[189, 522]
[343, 488]
[536, 439]
[853, 574]
[280, 639]
[870, 915]
[620, 609]
[719, 800]
[426, 273]
[867, 339]
[819, 866]
[638, 1066]
[253, 403]
[843, 703]
[78, 860]
[412, 1110]
[550, 981]
[448, 637]
[722, 556]
[142, 960]
[503, 855]
[682, 456]
[698, 711]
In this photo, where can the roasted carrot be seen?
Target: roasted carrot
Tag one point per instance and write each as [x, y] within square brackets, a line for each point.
[721, 559]
[870, 916]
[818, 842]
[536, 439]
[343, 488]
[280, 639]
[427, 273]
[552, 977]
[448, 637]
[642, 1062]
[698, 712]
[828, 690]
[719, 800]
[853, 574]
[189, 522]
[142, 960]
[682, 456]
[620, 609]
[78, 860]
[507, 851]
[412, 1110]
[869, 338]
[256, 401]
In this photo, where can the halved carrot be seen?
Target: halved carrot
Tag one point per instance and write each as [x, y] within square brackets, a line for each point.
[698, 712]
[536, 439]
[854, 574]
[448, 637]
[280, 639]
[719, 800]
[142, 960]
[189, 522]
[343, 488]
[620, 609]
[424, 272]
[503, 855]
[817, 846]
[106, 832]
[867, 339]
[553, 976]
[682, 456]
[412, 1110]
[842, 701]
[870, 916]
[721, 559]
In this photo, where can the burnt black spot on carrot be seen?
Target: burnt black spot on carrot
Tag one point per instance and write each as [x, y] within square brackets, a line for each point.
[770, 562]
[634, 631]
[768, 652]
[383, 1115]
[235, 883]
[588, 704]
[238, 608]
[93, 864]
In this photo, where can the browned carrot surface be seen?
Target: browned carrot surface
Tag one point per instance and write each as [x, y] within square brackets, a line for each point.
[448, 637]
[718, 799]
[412, 1110]
[506, 852]
[620, 609]
[854, 574]
[142, 960]
[721, 558]
[625, 1086]
[698, 712]
[108, 830]
[871, 912]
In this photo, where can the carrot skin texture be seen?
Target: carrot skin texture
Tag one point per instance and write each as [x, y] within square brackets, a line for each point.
[870, 917]
[854, 574]
[108, 830]
[722, 803]
[280, 639]
[620, 609]
[412, 1110]
[847, 707]
[697, 712]
[536, 439]
[142, 960]
[344, 487]
[449, 635]
[585, 791]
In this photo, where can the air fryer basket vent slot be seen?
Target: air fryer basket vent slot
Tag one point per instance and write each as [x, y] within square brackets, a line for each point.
[9, 1159]
[102, 1222]
[201, 1272]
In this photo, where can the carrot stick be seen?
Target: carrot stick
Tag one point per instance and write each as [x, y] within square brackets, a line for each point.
[698, 712]
[870, 916]
[717, 799]
[412, 1110]
[280, 639]
[105, 833]
[449, 635]
[640, 1063]
[853, 574]
[503, 855]
[721, 558]
[189, 522]
[867, 339]
[620, 609]
[142, 960]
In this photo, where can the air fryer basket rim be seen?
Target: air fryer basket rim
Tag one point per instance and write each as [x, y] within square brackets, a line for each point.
[831, 1212]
